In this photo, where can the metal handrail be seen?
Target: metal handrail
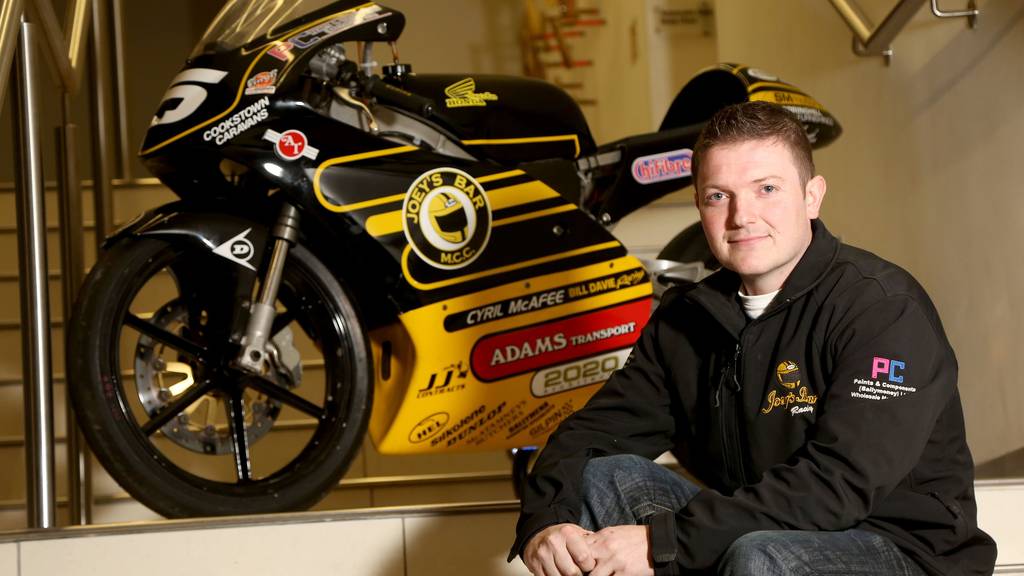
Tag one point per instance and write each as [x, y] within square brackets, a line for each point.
[870, 40]
[10, 19]
[971, 12]
[65, 50]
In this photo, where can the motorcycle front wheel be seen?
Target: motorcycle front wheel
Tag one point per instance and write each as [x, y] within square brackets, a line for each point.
[169, 414]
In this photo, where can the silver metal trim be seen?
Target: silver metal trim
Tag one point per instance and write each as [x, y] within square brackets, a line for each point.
[993, 482]
[86, 225]
[118, 183]
[498, 506]
[35, 308]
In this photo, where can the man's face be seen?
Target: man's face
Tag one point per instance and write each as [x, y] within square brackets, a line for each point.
[755, 210]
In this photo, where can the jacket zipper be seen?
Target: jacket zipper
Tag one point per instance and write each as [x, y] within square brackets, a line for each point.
[728, 422]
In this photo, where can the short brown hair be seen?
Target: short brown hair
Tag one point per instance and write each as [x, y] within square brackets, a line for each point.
[755, 121]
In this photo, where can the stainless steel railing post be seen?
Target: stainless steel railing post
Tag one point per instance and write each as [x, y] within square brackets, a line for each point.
[35, 308]
[78, 462]
[125, 151]
[100, 83]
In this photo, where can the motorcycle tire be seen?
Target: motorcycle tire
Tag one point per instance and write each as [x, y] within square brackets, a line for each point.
[181, 467]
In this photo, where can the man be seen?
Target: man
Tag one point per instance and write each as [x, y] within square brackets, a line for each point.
[808, 386]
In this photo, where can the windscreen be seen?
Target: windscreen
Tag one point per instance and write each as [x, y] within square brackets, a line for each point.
[242, 21]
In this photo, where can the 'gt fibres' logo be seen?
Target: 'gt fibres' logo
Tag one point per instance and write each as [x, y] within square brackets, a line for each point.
[446, 218]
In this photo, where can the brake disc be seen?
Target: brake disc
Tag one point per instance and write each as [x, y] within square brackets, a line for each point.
[161, 376]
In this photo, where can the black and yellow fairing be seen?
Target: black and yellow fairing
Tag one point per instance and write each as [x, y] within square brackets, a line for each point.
[552, 295]
[540, 244]
[724, 84]
[617, 193]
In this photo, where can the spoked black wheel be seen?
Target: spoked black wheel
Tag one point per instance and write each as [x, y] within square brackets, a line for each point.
[170, 415]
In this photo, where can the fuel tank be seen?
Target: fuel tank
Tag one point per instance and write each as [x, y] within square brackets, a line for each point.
[503, 118]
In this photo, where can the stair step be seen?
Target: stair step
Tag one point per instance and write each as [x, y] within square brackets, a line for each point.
[400, 541]
[391, 541]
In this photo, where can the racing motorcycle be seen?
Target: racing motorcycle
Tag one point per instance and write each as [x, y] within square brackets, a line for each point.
[434, 246]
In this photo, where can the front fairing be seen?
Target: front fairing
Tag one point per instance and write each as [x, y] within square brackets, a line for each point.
[220, 94]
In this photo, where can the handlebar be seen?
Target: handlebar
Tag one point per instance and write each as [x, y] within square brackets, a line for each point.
[397, 97]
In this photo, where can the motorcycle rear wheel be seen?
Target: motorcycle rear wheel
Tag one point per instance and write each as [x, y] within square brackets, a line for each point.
[148, 441]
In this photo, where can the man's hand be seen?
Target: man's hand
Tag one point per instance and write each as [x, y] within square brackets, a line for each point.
[559, 550]
[621, 551]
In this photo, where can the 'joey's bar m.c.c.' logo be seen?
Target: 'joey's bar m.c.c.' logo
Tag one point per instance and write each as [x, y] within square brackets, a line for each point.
[446, 218]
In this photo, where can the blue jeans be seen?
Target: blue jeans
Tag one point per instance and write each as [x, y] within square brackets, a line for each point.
[626, 489]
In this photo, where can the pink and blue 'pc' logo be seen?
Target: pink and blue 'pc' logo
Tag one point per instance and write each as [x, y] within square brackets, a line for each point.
[888, 368]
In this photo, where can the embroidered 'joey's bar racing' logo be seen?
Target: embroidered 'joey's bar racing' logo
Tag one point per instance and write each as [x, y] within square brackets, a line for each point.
[446, 218]
[794, 397]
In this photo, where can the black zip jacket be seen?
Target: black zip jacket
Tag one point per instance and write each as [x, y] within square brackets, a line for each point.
[837, 408]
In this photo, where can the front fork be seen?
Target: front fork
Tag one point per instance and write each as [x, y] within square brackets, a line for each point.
[253, 356]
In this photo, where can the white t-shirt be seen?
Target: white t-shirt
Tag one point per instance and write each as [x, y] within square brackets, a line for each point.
[754, 306]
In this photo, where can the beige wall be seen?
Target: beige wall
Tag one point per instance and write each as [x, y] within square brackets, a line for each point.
[676, 52]
[619, 80]
[926, 172]
[459, 36]
[639, 64]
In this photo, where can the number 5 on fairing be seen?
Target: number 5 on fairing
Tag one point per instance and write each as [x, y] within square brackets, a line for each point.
[185, 95]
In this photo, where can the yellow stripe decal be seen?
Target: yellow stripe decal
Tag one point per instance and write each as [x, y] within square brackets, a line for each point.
[575, 139]
[501, 269]
[245, 78]
[353, 158]
[383, 224]
[531, 215]
[784, 97]
[736, 73]
[499, 176]
[782, 85]
[520, 194]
